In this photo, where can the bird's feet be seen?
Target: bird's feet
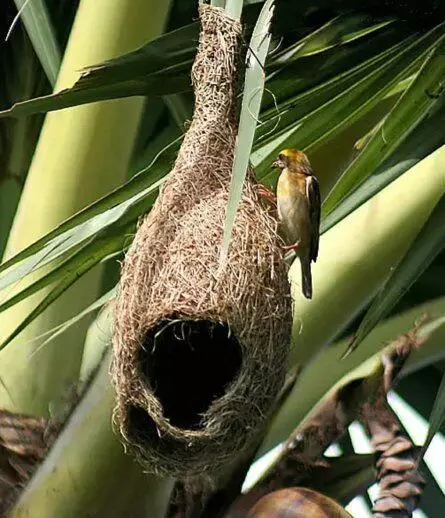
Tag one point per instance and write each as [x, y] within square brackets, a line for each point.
[266, 193]
[294, 247]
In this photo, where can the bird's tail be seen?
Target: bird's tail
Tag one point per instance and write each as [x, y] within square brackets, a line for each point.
[306, 276]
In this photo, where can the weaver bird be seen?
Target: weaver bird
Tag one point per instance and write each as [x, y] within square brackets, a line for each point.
[298, 203]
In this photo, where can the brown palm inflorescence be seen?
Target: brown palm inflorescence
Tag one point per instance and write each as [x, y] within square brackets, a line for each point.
[24, 443]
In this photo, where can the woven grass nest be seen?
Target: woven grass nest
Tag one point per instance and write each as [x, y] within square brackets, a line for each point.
[199, 354]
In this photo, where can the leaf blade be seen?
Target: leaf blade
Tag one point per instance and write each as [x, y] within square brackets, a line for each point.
[56, 331]
[37, 22]
[250, 108]
[134, 196]
[426, 246]
[158, 68]
[437, 418]
[355, 102]
[90, 255]
[413, 106]
[423, 141]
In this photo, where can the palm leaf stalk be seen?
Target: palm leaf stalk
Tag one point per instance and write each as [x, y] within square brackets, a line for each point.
[81, 155]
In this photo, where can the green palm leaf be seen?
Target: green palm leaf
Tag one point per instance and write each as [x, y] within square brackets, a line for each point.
[415, 105]
[250, 108]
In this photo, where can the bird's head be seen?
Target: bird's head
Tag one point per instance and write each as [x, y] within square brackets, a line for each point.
[293, 160]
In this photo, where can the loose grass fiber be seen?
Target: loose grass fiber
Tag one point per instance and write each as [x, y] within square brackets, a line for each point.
[199, 353]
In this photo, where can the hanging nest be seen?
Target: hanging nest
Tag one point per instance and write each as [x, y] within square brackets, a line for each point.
[200, 354]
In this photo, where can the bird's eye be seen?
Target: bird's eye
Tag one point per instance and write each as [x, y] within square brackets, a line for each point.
[281, 157]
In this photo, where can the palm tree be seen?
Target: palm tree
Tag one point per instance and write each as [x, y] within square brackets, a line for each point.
[359, 90]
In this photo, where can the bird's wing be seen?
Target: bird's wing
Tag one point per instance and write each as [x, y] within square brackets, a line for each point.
[314, 202]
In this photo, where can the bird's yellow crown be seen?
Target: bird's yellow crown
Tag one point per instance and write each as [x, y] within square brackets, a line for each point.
[294, 160]
[293, 154]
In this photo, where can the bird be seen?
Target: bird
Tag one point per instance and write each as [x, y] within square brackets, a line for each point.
[299, 206]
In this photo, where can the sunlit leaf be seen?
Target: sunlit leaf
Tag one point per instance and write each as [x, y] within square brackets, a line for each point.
[308, 109]
[56, 331]
[90, 255]
[250, 108]
[69, 264]
[159, 68]
[172, 52]
[36, 20]
[124, 203]
[329, 62]
[427, 245]
[162, 66]
[419, 144]
[316, 128]
[414, 105]
[341, 29]
[80, 94]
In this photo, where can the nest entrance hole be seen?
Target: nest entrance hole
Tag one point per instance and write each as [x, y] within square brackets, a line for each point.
[189, 364]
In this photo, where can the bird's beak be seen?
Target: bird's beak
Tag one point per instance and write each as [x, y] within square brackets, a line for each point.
[276, 163]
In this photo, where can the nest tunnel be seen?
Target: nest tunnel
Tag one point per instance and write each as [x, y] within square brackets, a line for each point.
[189, 364]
